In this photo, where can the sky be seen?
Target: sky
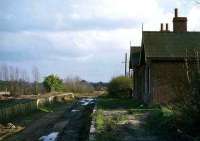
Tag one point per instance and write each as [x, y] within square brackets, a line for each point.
[85, 38]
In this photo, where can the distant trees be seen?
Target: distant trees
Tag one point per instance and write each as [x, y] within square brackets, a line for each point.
[76, 85]
[120, 86]
[36, 77]
[70, 84]
[4, 73]
[17, 81]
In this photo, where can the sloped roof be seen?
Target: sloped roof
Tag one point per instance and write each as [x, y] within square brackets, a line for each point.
[134, 56]
[170, 44]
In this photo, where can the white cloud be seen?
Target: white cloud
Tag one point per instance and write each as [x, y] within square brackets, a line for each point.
[194, 18]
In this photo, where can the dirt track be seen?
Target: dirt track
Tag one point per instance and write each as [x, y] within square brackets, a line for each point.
[74, 117]
[50, 122]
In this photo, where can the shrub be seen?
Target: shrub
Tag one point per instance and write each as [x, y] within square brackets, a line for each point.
[120, 86]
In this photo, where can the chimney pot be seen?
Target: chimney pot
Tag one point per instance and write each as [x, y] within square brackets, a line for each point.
[161, 27]
[176, 12]
[167, 27]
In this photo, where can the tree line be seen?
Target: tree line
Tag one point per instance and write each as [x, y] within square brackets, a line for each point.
[18, 81]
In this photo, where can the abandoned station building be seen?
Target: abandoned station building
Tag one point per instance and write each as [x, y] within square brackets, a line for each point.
[158, 66]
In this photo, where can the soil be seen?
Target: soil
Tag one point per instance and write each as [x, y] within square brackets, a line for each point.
[74, 118]
[50, 122]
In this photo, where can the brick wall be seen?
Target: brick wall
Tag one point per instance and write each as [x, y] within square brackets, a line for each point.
[165, 78]
[140, 80]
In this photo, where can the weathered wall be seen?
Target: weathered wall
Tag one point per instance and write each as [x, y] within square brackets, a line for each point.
[165, 79]
[139, 82]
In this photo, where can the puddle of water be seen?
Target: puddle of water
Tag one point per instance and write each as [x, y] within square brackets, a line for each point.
[87, 101]
[75, 110]
[51, 137]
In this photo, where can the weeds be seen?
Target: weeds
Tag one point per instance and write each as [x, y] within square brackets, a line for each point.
[107, 126]
[162, 119]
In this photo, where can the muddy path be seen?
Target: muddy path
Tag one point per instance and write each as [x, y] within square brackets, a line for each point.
[50, 121]
[70, 123]
[80, 118]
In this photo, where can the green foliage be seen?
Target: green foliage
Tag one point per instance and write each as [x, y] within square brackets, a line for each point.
[99, 120]
[106, 127]
[164, 120]
[120, 86]
[53, 83]
[106, 102]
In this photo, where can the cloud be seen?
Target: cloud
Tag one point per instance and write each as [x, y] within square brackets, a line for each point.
[194, 18]
[36, 15]
[86, 38]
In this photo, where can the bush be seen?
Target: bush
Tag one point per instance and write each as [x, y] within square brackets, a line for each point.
[120, 87]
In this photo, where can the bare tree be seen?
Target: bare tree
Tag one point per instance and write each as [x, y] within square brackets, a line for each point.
[11, 73]
[24, 80]
[35, 73]
[4, 72]
[75, 84]
[16, 75]
[36, 78]
[14, 78]
[25, 76]
[4, 76]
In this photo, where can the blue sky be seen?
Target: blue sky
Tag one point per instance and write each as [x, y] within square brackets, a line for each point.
[86, 38]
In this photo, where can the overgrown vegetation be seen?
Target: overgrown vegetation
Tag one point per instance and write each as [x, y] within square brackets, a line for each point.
[183, 120]
[115, 118]
[107, 102]
[120, 86]
[161, 122]
[186, 103]
[106, 127]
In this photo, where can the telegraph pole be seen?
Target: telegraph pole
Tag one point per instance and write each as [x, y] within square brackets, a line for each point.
[125, 65]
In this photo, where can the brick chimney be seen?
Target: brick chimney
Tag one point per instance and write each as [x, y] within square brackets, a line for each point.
[179, 23]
